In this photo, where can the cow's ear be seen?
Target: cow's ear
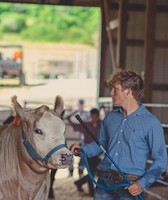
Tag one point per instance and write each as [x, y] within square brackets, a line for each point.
[18, 108]
[59, 105]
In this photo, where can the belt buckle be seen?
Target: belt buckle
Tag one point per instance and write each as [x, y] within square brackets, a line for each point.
[109, 176]
[116, 177]
[121, 177]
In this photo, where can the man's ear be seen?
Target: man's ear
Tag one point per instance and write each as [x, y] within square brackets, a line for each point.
[128, 91]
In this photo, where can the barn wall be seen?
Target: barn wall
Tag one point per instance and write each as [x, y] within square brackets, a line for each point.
[135, 31]
[160, 68]
[155, 64]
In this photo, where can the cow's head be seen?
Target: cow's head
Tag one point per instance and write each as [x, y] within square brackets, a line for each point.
[44, 130]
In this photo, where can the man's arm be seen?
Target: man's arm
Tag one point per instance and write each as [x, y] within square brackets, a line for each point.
[157, 146]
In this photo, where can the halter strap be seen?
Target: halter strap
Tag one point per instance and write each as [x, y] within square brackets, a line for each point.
[32, 152]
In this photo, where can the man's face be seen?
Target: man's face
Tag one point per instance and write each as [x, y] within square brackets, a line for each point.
[81, 106]
[118, 95]
[94, 118]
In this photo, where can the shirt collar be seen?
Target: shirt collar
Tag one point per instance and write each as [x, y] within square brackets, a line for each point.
[139, 111]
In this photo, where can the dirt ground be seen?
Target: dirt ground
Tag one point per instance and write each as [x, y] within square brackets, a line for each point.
[64, 189]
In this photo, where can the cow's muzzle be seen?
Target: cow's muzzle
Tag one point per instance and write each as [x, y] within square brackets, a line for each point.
[66, 159]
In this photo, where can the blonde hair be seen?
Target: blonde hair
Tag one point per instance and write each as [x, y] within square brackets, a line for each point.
[127, 79]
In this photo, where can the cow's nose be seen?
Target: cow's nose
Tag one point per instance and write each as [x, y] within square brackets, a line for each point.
[66, 159]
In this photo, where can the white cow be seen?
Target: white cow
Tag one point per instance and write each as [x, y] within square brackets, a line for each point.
[29, 147]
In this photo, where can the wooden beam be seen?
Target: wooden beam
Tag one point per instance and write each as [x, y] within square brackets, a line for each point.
[88, 3]
[160, 87]
[161, 43]
[105, 69]
[137, 7]
[149, 48]
[140, 43]
[103, 55]
[122, 34]
[105, 10]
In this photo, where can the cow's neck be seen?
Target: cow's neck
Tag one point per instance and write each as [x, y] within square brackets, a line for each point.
[21, 155]
[20, 171]
[33, 166]
[36, 176]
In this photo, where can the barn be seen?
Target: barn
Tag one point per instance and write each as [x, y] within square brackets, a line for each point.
[134, 35]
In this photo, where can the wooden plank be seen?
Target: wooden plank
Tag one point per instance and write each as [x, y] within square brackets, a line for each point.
[161, 43]
[122, 34]
[103, 53]
[89, 3]
[94, 3]
[149, 48]
[105, 9]
[160, 87]
[139, 7]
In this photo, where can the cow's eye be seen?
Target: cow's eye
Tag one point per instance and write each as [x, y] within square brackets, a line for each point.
[38, 131]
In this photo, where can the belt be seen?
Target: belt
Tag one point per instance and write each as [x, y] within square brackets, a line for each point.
[115, 176]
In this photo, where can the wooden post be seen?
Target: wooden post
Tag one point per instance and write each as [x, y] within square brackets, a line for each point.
[149, 48]
[122, 34]
[105, 8]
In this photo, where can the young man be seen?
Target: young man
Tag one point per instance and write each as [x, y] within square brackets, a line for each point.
[131, 135]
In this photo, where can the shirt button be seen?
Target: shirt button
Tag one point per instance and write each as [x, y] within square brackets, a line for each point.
[121, 130]
[118, 142]
[125, 119]
[116, 154]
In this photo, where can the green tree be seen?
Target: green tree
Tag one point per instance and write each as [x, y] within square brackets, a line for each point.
[50, 23]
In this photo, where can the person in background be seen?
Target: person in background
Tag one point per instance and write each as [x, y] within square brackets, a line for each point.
[94, 126]
[52, 175]
[80, 111]
[131, 135]
[9, 119]
[85, 115]
[52, 179]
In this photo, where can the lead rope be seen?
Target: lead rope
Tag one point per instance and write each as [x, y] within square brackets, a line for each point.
[113, 187]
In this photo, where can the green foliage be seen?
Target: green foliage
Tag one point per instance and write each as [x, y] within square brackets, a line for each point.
[50, 23]
[12, 23]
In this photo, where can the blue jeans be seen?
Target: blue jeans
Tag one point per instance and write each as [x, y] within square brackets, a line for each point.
[117, 194]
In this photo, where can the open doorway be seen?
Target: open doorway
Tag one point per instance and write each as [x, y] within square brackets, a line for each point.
[60, 47]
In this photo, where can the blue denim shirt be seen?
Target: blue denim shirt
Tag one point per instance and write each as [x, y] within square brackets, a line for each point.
[131, 141]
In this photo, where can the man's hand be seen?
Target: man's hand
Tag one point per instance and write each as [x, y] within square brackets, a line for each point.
[134, 189]
[76, 150]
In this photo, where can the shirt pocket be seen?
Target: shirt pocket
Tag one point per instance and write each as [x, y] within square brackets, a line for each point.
[135, 137]
[134, 134]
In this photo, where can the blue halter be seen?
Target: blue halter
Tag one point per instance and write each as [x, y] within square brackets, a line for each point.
[32, 152]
